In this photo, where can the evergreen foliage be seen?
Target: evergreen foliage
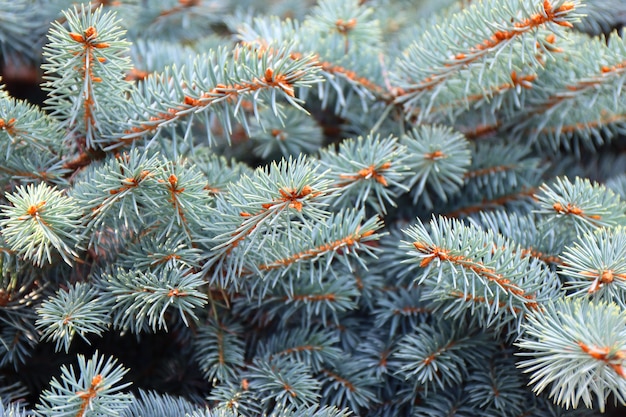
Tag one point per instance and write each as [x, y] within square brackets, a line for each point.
[313, 209]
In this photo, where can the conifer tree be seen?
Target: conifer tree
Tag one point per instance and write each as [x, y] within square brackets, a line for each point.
[323, 209]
